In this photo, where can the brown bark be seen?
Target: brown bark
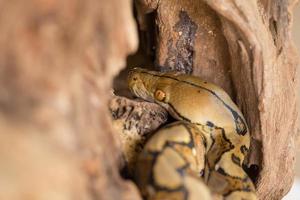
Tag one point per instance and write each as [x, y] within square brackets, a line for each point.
[190, 39]
[57, 62]
[246, 48]
[135, 121]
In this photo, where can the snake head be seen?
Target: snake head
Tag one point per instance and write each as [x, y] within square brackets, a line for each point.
[149, 85]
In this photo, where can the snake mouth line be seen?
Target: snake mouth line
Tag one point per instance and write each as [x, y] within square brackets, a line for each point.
[241, 127]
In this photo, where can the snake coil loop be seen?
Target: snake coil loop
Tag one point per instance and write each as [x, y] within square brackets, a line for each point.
[201, 154]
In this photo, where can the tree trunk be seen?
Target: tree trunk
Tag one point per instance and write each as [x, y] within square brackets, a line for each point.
[58, 61]
[246, 48]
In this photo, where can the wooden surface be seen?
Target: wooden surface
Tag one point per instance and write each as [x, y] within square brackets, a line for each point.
[260, 71]
[296, 38]
[58, 60]
[135, 122]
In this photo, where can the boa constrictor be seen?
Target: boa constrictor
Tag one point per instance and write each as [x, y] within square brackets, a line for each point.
[201, 153]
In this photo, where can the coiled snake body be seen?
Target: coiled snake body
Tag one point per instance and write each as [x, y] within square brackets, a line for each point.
[201, 153]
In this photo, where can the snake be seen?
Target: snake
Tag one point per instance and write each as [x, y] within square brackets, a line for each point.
[202, 152]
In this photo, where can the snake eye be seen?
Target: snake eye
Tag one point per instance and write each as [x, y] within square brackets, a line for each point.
[160, 95]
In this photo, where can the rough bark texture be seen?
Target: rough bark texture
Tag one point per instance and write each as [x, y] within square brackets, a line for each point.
[57, 62]
[135, 121]
[246, 48]
[189, 39]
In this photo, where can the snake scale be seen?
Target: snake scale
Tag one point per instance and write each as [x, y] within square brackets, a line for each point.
[200, 154]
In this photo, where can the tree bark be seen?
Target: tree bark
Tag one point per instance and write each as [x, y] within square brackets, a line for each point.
[58, 61]
[135, 121]
[246, 48]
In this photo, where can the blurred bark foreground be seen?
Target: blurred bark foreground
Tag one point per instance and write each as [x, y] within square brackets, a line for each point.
[246, 48]
[57, 63]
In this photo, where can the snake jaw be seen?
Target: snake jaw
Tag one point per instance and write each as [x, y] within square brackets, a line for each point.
[137, 83]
